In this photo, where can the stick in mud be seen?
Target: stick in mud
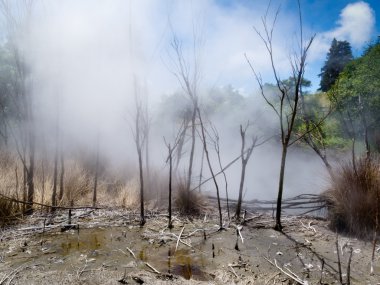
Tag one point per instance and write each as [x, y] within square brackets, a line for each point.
[339, 263]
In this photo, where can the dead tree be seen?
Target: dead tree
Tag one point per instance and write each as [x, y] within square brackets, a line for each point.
[245, 155]
[95, 190]
[287, 108]
[55, 181]
[204, 142]
[15, 17]
[216, 141]
[188, 79]
[171, 150]
[61, 177]
[139, 134]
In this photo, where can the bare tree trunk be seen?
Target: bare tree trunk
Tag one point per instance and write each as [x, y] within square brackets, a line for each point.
[43, 181]
[94, 193]
[278, 225]
[61, 178]
[244, 162]
[142, 213]
[192, 151]
[201, 174]
[30, 174]
[170, 185]
[17, 184]
[55, 182]
[211, 170]
[217, 149]
[24, 183]
[287, 109]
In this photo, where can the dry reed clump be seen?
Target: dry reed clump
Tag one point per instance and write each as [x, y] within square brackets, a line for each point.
[354, 198]
[9, 209]
[77, 184]
[188, 202]
[128, 196]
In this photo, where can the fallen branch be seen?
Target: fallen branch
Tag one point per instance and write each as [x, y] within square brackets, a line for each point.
[131, 252]
[179, 238]
[233, 271]
[49, 206]
[288, 273]
[239, 228]
[151, 267]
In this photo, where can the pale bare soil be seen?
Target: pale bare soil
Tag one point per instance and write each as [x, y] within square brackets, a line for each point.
[111, 248]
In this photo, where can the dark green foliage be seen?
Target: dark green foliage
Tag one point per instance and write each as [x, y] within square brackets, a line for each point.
[354, 198]
[337, 58]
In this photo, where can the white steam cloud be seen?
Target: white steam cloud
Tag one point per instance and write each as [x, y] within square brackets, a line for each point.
[85, 55]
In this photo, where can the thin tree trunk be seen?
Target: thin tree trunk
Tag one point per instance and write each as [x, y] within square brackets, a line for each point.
[30, 173]
[94, 194]
[170, 186]
[191, 159]
[201, 172]
[43, 182]
[142, 213]
[24, 183]
[242, 177]
[17, 184]
[278, 225]
[244, 161]
[55, 181]
[61, 178]
[211, 170]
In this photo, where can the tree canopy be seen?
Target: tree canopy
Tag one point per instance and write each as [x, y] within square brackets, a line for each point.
[337, 58]
[357, 92]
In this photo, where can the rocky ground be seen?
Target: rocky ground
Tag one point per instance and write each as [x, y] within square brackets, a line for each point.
[109, 247]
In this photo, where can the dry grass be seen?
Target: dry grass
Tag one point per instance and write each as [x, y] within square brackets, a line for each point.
[9, 187]
[353, 198]
[117, 187]
[188, 202]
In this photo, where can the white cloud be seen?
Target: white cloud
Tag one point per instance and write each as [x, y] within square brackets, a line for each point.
[355, 25]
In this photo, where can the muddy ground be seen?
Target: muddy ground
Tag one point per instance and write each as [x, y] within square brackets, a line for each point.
[109, 247]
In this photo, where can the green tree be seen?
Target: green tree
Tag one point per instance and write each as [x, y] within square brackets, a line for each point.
[337, 58]
[357, 97]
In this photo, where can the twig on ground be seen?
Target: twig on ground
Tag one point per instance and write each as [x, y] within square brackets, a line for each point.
[233, 271]
[271, 277]
[12, 273]
[349, 268]
[239, 228]
[131, 252]
[179, 238]
[288, 273]
[152, 268]
[309, 226]
[339, 263]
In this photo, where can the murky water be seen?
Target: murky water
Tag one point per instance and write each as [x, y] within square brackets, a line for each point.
[98, 247]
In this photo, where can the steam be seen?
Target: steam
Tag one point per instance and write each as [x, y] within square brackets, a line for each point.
[85, 55]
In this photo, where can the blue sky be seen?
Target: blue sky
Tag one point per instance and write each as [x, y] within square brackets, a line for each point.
[327, 19]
